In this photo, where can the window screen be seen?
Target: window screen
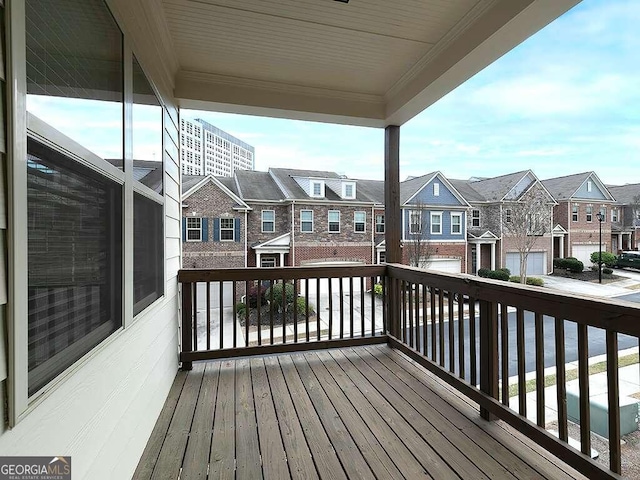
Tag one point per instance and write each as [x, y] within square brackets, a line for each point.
[74, 261]
[148, 252]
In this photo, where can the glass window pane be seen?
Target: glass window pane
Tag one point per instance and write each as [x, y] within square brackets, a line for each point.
[148, 252]
[75, 261]
[74, 72]
[147, 132]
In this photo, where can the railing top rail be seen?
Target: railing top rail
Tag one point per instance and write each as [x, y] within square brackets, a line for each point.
[280, 273]
[620, 316]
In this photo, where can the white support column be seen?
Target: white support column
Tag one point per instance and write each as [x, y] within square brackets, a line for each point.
[562, 246]
[493, 256]
[258, 259]
[478, 257]
[619, 242]
[282, 259]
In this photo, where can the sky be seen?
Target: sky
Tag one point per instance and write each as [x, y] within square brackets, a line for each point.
[565, 101]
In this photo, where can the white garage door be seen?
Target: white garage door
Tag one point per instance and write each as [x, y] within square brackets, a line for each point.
[536, 263]
[583, 253]
[335, 282]
[450, 265]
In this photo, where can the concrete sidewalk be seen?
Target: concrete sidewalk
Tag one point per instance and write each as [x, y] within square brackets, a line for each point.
[580, 287]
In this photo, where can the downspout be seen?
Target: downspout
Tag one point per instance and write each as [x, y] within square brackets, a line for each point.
[466, 240]
[550, 270]
[246, 240]
[569, 221]
[293, 234]
[502, 264]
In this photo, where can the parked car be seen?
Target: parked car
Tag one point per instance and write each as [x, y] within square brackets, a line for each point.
[628, 259]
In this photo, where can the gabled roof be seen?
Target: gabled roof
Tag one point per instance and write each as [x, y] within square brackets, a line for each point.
[282, 241]
[494, 189]
[487, 234]
[285, 179]
[413, 185]
[373, 189]
[465, 187]
[624, 193]
[193, 183]
[564, 188]
[559, 229]
[254, 185]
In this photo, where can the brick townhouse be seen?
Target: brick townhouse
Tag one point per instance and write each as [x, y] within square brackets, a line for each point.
[625, 217]
[580, 198]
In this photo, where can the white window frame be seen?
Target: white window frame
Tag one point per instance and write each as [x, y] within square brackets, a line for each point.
[589, 186]
[412, 223]
[614, 215]
[432, 223]
[589, 213]
[363, 222]
[378, 230]
[267, 262]
[603, 211]
[436, 189]
[268, 221]
[192, 229]
[475, 218]
[329, 221]
[302, 222]
[459, 216]
[575, 213]
[507, 215]
[233, 229]
[312, 185]
[344, 190]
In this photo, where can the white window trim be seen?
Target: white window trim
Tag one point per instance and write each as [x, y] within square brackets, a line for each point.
[262, 220]
[431, 215]
[312, 184]
[614, 214]
[306, 221]
[436, 189]
[363, 222]
[344, 190]
[474, 218]
[507, 215]
[233, 230]
[576, 213]
[458, 215]
[199, 229]
[377, 224]
[264, 260]
[329, 222]
[589, 186]
[419, 213]
[587, 214]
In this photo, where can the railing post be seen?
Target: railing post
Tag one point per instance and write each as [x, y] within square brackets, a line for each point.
[488, 352]
[187, 322]
[394, 299]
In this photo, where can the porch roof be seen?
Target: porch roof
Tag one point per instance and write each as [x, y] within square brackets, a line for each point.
[373, 63]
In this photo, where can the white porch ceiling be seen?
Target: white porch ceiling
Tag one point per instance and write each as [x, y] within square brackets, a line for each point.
[366, 62]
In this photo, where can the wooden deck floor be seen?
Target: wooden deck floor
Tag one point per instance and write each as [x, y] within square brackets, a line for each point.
[363, 412]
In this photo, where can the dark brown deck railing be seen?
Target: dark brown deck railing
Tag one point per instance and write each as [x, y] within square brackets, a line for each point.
[239, 311]
[416, 313]
[481, 308]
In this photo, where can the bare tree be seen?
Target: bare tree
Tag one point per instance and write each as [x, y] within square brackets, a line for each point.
[419, 249]
[525, 221]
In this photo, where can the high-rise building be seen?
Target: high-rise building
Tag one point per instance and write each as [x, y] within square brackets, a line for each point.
[206, 149]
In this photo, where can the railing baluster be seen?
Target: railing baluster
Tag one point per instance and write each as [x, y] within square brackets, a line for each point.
[539, 340]
[195, 316]
[341, 296]
[403, 297]
[295, 311]
[271, 312]
[283, 311]
[432, 299]
[373, 306]
[221, 298]
[318, 309]
[246, 313]
[208, 315]
[259, 307]
[613, 392]
[425, 338]
[488, 352]
[504, 347]
[187, 322]
[583, 384]
[306, 309]
[416, 306]
[362, 294]
[350, 307]
[385, 313]
[410, 315]
[235, 315]
[452, 340]
[441, 326]
[461, 335]
[330, 308]
[473, 365]
[561, 381]
[522, 392]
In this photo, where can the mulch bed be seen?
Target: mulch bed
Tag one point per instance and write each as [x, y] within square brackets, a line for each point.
[587, 276]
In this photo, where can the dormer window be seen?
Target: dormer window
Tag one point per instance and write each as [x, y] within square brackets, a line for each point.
[349, 190]
[317, 189]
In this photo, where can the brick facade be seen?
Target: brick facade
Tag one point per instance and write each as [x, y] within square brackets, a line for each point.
[449, 250]
[583, 232]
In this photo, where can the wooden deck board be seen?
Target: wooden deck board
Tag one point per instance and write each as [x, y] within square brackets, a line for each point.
[358, 412]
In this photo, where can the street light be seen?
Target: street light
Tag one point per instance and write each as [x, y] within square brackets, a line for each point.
[600, 217]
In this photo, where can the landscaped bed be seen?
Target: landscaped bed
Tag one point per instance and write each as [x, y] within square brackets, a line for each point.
[587, 275]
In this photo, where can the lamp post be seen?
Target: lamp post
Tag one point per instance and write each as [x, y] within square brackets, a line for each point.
[600, 218]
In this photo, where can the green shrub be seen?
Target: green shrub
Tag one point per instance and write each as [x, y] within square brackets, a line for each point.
[607, 271]
[255, 291]
[377, 289]
[575, 266]
[500, 274]
[535, 281]
[301, 306]
[241, 309]
[277, 295]
[484, 272]
[608, 259]
[504, 270]
[514, 278]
